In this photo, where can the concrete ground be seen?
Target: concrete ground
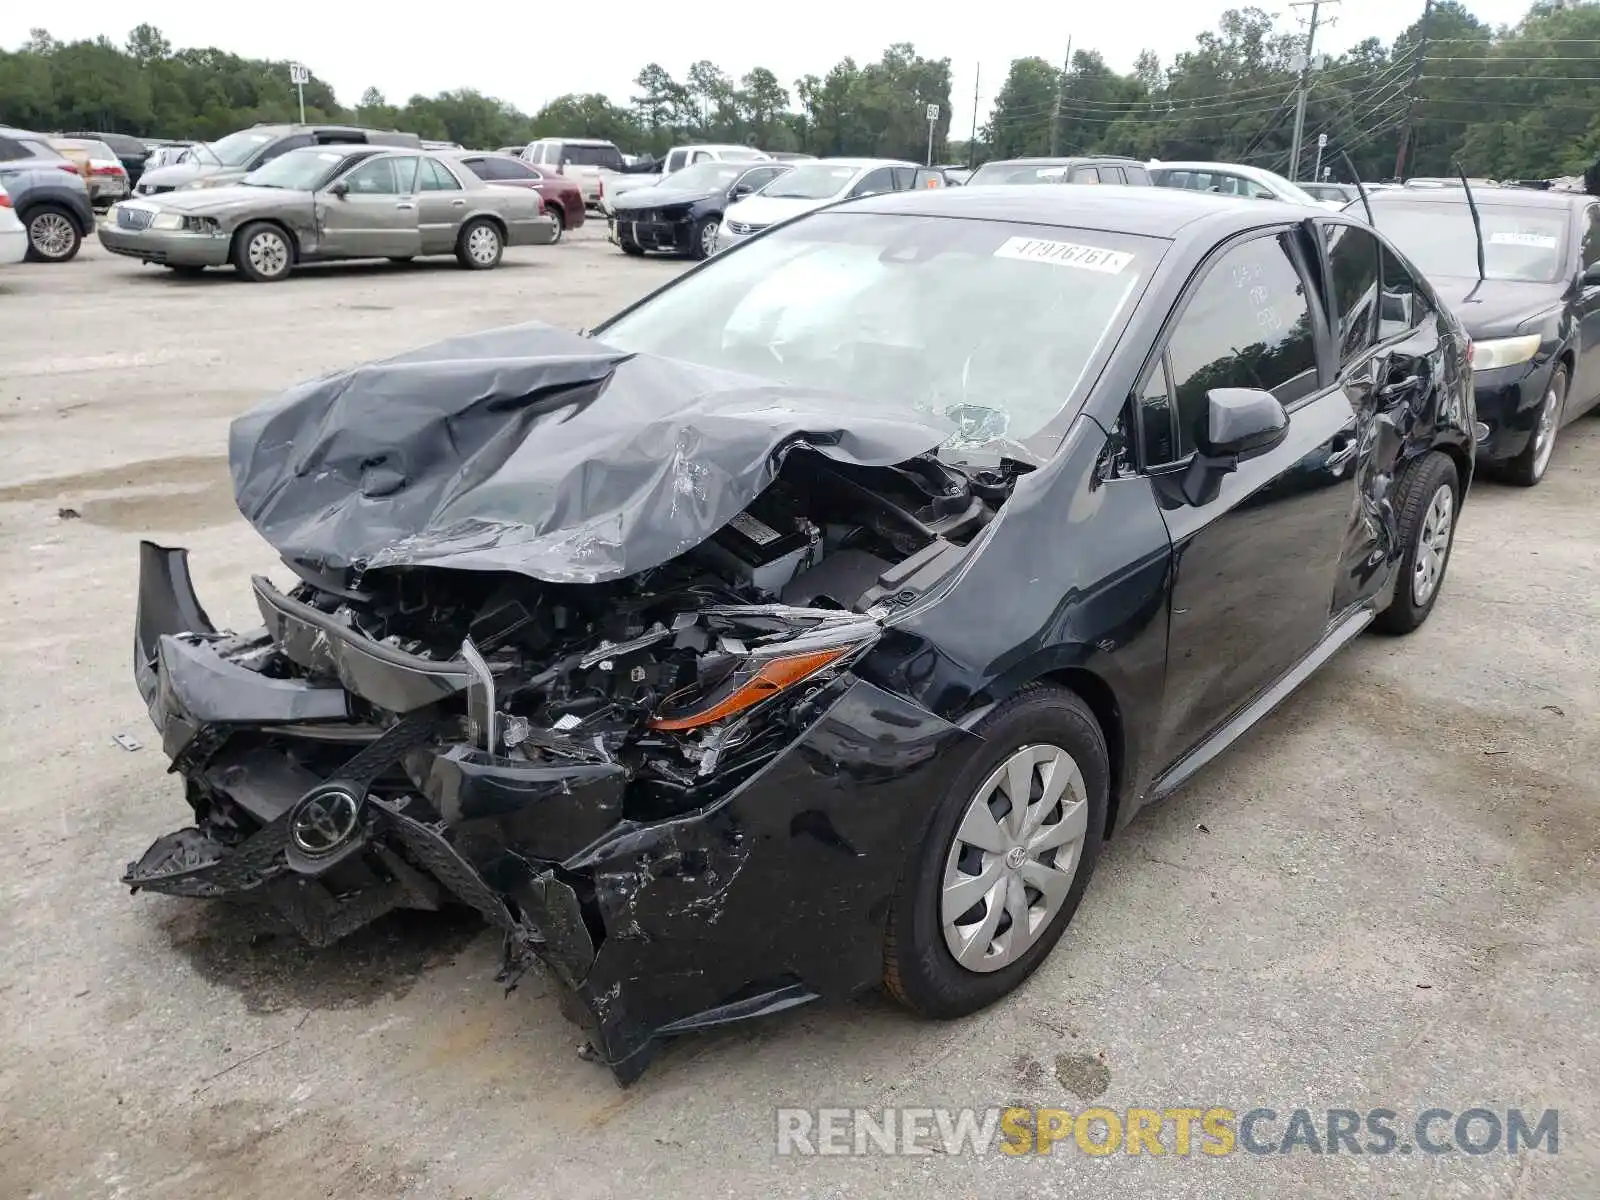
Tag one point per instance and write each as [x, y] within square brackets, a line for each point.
[1386, 897]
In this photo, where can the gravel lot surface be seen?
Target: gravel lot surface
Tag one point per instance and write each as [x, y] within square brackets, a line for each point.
[1385, 897]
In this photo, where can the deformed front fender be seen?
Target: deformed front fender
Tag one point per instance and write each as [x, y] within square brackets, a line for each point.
[775, 895]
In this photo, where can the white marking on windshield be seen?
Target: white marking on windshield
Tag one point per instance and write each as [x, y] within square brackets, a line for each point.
[1065, 254]
[1542, 240]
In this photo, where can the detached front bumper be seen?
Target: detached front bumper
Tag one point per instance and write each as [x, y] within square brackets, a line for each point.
[651, 233]
[774, 895]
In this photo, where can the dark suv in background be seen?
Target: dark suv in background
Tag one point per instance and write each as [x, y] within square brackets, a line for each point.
[49, 195]
[216, 164]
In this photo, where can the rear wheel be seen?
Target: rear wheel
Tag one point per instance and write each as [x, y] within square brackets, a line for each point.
[561, 221]
[1006, 857]
[52, 235]
[480, 245]
[262, 253]
[1426, 502]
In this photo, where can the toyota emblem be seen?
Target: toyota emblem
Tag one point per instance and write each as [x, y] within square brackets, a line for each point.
[324, 821]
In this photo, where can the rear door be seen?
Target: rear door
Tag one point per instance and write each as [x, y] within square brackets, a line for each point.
[377, 215]
[441, 203]
[1254, 569]
[1085, 175]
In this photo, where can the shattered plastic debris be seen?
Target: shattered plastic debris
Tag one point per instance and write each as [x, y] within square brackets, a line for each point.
[127, 741]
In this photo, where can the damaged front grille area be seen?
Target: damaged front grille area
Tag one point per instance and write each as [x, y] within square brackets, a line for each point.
[589, 766]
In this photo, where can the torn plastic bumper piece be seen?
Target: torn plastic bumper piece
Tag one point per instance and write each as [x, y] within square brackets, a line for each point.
[773, 895]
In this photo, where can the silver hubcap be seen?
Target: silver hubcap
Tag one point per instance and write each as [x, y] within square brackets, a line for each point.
[51, 234]
[1013, 857]
[708, 238]
[1544, 435]
[269, 253]
[1433, 545]
[483, 244]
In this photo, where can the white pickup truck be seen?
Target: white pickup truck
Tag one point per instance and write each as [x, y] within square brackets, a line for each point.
[676, 159]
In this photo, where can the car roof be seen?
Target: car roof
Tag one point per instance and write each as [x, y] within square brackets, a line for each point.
[864, 162]
[1484, 193]
[578, 141]
[1144, 211]
[1060, 160]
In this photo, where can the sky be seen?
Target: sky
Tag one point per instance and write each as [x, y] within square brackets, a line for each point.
[528, 54]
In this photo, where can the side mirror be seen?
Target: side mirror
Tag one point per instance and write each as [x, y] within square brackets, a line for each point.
[1241, 424]
[341, 189]
[740, 190]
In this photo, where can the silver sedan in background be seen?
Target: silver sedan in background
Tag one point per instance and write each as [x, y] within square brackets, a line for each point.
[330, 202]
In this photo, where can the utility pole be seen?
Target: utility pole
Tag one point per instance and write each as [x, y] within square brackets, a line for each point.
[972, 142]
[1411, 93]
[1055, 118]
[1305, 84]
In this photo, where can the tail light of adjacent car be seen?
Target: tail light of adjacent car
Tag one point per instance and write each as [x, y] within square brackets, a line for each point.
[602, 192]
[5, 198]
[72, 168]
[100, 166]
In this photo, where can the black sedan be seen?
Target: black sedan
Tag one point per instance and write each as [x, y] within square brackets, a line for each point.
[682, 212]
[1533, 316]
[810, 625]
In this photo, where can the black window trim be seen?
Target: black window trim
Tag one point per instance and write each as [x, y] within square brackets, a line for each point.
[1322, 338]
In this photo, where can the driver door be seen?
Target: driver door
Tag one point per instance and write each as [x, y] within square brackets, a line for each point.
[376, 214]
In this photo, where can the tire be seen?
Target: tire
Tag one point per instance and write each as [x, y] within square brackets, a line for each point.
[702, 242]
[921, 970]
[479, 246]
[263, 252]
[561, 220]
[632, 248]
[1528, 468]
[53, 234]
[1417, 501]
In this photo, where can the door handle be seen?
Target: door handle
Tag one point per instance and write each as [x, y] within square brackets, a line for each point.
[405, 204]
[458, 204]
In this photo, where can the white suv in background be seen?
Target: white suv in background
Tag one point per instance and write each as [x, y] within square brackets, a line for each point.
[588, 162]
[1233, 179]
[816, 184]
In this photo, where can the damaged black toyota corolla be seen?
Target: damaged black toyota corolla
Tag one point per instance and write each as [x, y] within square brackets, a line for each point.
[808, 626]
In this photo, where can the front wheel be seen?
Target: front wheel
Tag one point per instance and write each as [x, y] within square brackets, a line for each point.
[1528, 468]
[262, 253]
[480, 246]
[1425, 501]
[1006, 857]
[703, 243]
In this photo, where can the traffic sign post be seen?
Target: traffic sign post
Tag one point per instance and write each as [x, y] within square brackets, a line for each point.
[933, 119]
[1322, 144]
[300, 76]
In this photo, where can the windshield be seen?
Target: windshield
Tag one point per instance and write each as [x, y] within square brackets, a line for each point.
[298, 170]
[1000, 172]
[706, 176]
[1519, 244]
[990, 324]
[239, 148]
[817, 181]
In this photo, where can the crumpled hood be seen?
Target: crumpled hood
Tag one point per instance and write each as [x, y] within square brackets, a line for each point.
[218, 199]
[660, 194]
[534, 450]
[181, 173]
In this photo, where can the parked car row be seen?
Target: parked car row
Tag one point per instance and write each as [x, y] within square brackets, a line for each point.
[47, 193]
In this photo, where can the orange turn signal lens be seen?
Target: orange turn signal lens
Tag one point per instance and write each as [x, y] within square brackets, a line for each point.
[771, 678]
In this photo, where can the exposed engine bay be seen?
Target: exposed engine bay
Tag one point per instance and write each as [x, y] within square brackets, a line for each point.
[650, 670]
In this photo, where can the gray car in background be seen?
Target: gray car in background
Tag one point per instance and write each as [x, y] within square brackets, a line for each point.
[48, 194]
[230, 159]
[330, 202]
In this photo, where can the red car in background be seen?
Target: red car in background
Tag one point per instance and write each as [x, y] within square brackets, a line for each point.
[563, 198]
